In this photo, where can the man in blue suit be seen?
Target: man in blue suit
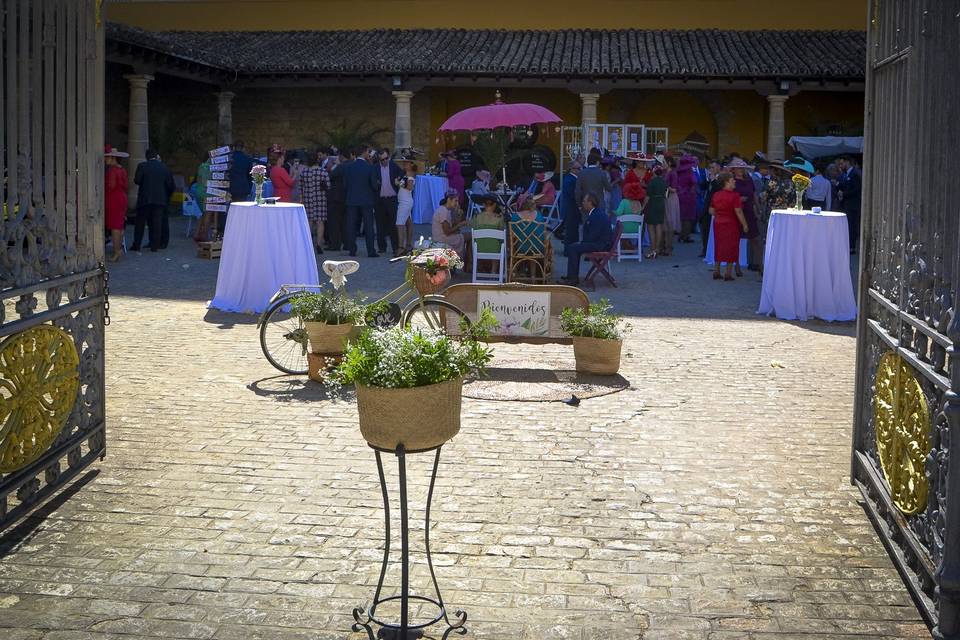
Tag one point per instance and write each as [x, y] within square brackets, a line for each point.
[362, 185]
[597, 236]
[569, 211]
[849, 187]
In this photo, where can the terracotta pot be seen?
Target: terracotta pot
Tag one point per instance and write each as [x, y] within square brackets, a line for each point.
[422, 281]
[595, 355]
[419, 417]
[329, 338]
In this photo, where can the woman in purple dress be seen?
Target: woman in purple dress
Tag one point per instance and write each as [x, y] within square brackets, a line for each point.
[684, 182]
[454, 176]
[748, 198]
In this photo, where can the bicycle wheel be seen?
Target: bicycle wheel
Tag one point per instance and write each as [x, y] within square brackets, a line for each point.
[284, 339]
[433, 312]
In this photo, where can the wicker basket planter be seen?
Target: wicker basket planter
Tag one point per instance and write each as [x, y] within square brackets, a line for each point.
[595, 355]
[421, 280]
[419, 417]
[328, 338]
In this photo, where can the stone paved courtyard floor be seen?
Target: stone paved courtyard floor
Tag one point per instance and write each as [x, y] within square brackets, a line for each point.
[709, 501]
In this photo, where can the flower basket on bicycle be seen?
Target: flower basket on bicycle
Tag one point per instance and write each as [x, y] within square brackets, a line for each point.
[430, 269]
[427, 283]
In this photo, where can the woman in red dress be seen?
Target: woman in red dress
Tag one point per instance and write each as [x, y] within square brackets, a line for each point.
[280, 179]
[115, 198]
[728, 221]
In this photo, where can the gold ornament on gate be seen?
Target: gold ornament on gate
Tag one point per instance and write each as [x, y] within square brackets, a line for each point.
[39, 379]
[902, 422]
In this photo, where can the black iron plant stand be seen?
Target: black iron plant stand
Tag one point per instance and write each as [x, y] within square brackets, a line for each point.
[404, 630]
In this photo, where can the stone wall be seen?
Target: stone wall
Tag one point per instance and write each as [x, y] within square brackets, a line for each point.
[183, 116]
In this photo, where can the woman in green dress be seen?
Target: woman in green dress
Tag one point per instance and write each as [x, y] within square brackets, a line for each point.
[634, 199]
[655, 213]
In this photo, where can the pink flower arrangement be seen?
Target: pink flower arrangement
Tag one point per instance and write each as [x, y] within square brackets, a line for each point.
[434, 261]
[259, 173]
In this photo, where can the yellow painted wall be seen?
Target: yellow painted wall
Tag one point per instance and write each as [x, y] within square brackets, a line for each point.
[682, 112]
[505, 14]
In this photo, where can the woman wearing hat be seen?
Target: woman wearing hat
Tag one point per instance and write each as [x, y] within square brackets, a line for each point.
[634, 200]
[115, 198]
[488, 218]
[447, 225]
[748, 201]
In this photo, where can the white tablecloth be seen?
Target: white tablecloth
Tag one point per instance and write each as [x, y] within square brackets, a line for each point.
[806, 269]
[743, 248]
[427, 193]
[263, 247]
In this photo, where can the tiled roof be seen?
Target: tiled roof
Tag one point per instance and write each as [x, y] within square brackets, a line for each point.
[569, 53]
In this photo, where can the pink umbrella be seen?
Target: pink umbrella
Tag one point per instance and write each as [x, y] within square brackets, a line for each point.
[500, 114]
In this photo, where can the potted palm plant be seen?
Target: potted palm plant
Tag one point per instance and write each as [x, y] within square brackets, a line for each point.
[409, 382]
[329, 318]
[597, 337]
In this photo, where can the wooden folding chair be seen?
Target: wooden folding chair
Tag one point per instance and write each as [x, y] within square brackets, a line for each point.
[530, 248]
[599, 260]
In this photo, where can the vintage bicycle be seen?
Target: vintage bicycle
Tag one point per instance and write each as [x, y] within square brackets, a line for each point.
[283, 338]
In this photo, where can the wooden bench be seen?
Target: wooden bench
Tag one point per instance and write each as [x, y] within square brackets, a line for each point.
[512, 301]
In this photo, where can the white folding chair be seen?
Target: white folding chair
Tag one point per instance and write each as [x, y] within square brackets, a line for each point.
[631, 254]
[551, 213]
[500, 256]
[472, 208]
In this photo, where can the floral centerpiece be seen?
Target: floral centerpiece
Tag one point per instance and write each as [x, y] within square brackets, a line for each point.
[259, 175]
[409, 383]
[801, 183]
[597, 337]
[430, 269]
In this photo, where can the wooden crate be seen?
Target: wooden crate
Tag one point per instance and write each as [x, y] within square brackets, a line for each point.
[209, 250]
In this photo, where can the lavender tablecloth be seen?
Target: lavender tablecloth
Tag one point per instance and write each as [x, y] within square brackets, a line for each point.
[264, 246]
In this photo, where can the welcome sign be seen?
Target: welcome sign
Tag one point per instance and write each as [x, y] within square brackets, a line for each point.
[520, 313]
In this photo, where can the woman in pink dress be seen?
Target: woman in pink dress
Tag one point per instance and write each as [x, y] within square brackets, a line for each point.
[454, 176]
[685, 184]
[673, 200]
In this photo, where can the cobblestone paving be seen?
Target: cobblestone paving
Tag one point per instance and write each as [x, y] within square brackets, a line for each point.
[711, 500]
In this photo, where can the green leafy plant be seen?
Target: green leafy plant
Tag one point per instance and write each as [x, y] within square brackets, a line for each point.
[595, 322]
[401, 358]
[329, 307]
[349, 134]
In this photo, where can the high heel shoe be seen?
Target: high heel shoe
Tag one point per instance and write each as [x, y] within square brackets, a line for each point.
[716, 275]
[651, 256]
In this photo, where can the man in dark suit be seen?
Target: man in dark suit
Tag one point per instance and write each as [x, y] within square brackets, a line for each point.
[362, 184]
[593, 180]
[240, 180]
[849, 186]
[336, 203]
[156, 187]
[389, 174]
[569, 210]
[597, 236]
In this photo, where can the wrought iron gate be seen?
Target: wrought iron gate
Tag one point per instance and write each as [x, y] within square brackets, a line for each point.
[908, 351]
[52, 282]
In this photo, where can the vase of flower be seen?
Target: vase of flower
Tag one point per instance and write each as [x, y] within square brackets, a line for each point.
[259, 175]
[409, 384]
[597, 338]
[801, 183]
[430, 269]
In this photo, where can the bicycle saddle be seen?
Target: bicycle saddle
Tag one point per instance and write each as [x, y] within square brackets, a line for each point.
[338, 270]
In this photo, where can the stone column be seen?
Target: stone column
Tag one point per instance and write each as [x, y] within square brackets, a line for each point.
[776, 145]
[225, 117]
[402, 136]
[139, 130]
[588, 116]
